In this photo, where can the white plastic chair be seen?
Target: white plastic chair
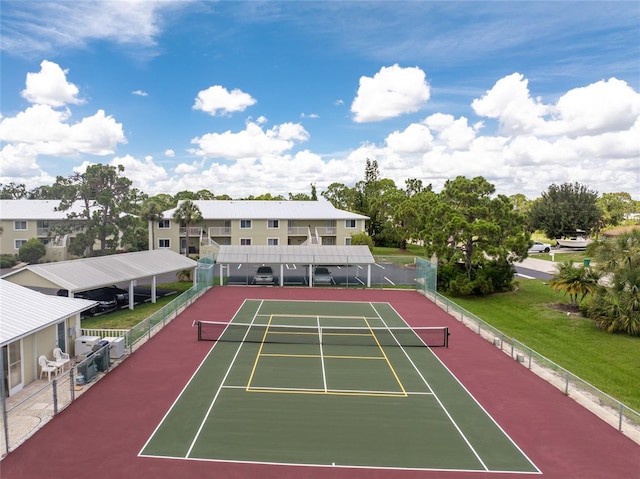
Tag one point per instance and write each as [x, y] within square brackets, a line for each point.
[47, 366]
[60, 358]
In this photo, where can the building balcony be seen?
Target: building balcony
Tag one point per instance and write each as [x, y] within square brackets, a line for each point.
[217, 231]
[193, 231]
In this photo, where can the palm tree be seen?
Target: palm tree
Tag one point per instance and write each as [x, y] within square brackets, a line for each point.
[576, 281]
[187, 214]
[151, 212]
[616, 307]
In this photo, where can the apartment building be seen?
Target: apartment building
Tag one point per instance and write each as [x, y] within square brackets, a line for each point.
[257, 223]
[22, 220]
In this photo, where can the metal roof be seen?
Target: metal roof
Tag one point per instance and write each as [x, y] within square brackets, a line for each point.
[24, 209]
[295, 254]
[259, 209]
[89, 273]
[25, 311]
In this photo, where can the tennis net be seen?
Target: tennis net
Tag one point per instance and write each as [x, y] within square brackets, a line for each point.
[295, 334]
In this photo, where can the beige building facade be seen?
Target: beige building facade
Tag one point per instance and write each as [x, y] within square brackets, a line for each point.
[22, 220]
[256, 223]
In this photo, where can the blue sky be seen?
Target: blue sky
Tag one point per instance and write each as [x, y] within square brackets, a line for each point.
[245, 98]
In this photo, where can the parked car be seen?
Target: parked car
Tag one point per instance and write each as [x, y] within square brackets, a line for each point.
[264, 275]
[322, 275]
[121, 295]
[539, 247]
[105, 297]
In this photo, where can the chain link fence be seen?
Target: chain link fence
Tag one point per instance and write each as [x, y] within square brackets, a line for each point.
[609, 409]
[21, 419]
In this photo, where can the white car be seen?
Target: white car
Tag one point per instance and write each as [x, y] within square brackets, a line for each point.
[539, 247]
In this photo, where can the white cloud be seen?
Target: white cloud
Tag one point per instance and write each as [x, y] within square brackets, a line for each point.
[252, 142]
[599, 107]
[48, 132]
[392, 92]
[509, 101]
[415, 138]
[42, 27]
[139, 93]
[50, 86]
[218, 100]
[170, 153]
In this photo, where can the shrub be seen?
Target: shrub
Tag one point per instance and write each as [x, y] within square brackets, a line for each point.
[31, 251]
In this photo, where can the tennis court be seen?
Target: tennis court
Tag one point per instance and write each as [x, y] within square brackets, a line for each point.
[326, 383]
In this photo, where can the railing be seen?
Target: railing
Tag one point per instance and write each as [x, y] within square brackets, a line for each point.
[21, 420]
[219, 231]
[609, 409]
[193, 231]
[298, 231]
[42, 231]
[326, 230]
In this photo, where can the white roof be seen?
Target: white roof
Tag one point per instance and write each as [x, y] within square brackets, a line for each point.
[295, 254]
[25, 311]
[89, 273]
[24, 209]
[259, 209]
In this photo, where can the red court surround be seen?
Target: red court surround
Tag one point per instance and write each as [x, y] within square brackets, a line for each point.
[101, 433]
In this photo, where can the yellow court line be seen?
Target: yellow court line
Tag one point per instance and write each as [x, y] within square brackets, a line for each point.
[402, 394]
[386, 358]
[255, 364]
[291, 355]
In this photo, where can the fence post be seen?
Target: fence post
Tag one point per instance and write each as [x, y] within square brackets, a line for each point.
[566, 386]
[620, 417]
[54, 389]
[72, 389]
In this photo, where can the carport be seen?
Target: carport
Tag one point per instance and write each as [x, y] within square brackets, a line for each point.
[308, 255]
[91, 273]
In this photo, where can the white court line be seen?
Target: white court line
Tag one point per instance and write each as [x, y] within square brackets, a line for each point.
[464, 438]
[188, 383]
[319, 390]
[324, 373]
[479, 405]
[215, 398]
[391, 282]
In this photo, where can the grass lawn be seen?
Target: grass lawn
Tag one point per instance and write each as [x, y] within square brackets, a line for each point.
[608, 361]
[126, 318]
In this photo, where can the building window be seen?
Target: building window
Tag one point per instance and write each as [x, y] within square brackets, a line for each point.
[350, 223]
[20, 225]
[164, 224]
[347, 241]
[245, 241]
[18, 243]
[164, 243]
[273, 224]
[245, 224]
[272, 241]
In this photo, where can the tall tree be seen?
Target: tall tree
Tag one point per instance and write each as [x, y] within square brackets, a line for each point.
[615, 207]
[465, 224]
[105, 197]
[151, 213]
[13, 191]
[340, 196]
[187, 214]
[565, 210]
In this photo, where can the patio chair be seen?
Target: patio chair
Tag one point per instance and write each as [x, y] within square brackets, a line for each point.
[47, 366]
[61, 358]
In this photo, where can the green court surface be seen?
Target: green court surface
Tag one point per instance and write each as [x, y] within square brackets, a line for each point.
[342, 384]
